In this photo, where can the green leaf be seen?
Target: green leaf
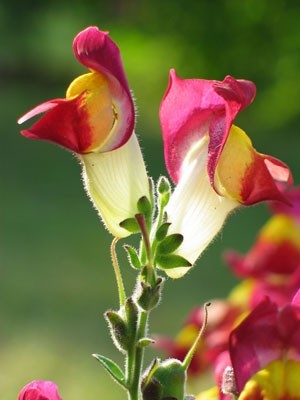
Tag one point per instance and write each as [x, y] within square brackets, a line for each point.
[112, 368]
[144, 207]
[169, 244]
[162, 231]
[131, 225]
[172, 261]
[145, 342]
[133, 256]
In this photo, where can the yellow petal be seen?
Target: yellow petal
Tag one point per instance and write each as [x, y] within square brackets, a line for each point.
[278, 380]
[98, 105]
[235, 159]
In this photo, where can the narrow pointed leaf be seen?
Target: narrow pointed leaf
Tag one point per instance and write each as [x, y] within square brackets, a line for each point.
[112, 368]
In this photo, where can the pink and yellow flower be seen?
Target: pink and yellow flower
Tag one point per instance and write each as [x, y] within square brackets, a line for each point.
[272, 266]
[211, 160]
[96, 121]
[39, 390]
[264, 354]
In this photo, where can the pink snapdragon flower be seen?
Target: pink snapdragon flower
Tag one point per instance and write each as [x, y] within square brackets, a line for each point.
[211, 160]
[96, 121]
[272, 266]
[264, 356]
[39, 390]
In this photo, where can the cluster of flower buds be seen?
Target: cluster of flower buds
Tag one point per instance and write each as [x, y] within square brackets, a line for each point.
[214, 168]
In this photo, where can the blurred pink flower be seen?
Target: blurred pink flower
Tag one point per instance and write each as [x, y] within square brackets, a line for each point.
[39, 390]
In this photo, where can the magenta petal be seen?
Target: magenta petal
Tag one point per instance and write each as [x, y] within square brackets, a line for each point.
[293, 209]
[41, 108]
[39, 390]
[237, 95]
[296, 299]
[255, 342]
[65, 124]
[289, 330]
[95, 50]
[192, 108]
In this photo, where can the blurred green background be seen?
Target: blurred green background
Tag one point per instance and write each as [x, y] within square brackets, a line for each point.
[56, 276]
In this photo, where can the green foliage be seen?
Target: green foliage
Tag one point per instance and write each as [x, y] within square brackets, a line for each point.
[112, 368]
[131, 225]
[170, 261]
[169, 244]
[133, 256]
[162, 231]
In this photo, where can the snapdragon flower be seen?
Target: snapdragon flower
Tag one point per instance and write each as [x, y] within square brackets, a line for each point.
[263, 361]
[96, 121]
[272, 266]
[212, 161]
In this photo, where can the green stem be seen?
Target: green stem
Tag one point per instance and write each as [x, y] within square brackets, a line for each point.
[188, 358]
[157, 225]
[144, 231]
[121, 289]
[134, 389]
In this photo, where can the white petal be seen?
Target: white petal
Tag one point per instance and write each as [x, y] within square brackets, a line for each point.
[195, 210]
[115, 181]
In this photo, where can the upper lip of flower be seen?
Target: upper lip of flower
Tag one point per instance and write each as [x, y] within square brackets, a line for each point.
[203, 106]
[95, 50]
[194, 108]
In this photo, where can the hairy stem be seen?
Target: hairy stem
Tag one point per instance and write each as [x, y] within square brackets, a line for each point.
[134, 390]
[121, 289]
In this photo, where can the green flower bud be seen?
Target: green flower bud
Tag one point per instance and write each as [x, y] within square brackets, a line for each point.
[164, 379]
[131, 312]
[148, 297]
[164, 190]
[118, 330]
